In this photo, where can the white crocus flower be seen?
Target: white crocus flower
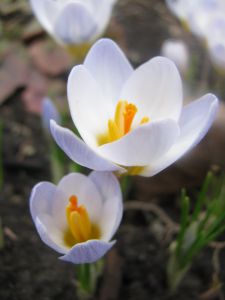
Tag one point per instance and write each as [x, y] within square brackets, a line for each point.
[196, 14]
[79, 216]
[177, 51]
[130, 120]
[181, 8]
[216, 40]
[73, 22]
[201, 14]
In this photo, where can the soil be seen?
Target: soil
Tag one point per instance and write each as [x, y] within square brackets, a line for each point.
[136, 266]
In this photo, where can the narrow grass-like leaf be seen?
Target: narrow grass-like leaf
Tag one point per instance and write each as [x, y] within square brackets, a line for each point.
[202, 197]
[185, 206]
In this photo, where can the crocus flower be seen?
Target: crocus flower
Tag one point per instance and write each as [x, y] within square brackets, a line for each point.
[130, 120]
[49, 112]
[196, 14]
[73, 22]
[177, 51]
[180, 8]
[216, 40]
[79, 216]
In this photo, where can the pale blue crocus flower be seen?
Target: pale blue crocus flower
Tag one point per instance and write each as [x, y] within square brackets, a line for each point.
[73, 22]
[130, 120]
[78, 217]
[49, 112]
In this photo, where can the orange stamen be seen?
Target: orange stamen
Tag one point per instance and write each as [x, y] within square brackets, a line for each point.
[129, 114]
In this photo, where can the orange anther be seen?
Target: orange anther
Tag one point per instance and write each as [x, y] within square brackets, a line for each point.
[129, 114]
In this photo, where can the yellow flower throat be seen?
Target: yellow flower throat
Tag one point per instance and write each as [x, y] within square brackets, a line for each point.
[80, 227]
[122, 122]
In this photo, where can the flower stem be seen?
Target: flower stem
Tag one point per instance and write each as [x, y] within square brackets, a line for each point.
[125, 185]
[87, 277]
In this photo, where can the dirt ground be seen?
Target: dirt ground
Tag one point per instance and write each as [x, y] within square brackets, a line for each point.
[136, 267]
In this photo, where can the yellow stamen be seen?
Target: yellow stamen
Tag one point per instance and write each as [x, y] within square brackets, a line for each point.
[78, 220]
[119, 116]
[129, 114]
[144, 120]
[113, 131]
[121, 124]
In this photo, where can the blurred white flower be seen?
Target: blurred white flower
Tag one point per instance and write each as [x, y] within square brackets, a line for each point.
[130, 120]
[79, 216]
[180, 8]
[73, 22]
[206, 19]
[202, 13]
[216, 40]
[177, 51]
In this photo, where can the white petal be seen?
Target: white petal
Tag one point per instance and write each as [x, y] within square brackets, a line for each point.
[79, 152]
[89, 110]
[109, 66]
[50, 234]
[142, 145]
[47, 199]
[81, 186]
[111, 214]
[195, 121]
[156, 89]
[75, 24]
[46, 12]
[102, 10]
[87, 252]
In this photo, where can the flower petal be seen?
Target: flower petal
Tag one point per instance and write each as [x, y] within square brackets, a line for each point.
[102, 11]
[78, 151]
[110, 68]
[47, 199]
[89, 111]
[49, 111]
[195, 121]
[156, 89]
[111, 214]
[46, 12]
[87, 252]
[50, 234]
[85, 190]
[142, 145]
[75, 24]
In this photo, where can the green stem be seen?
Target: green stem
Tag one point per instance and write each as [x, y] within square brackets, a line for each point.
[185, 203]
[87, 276]
[202, 196]
[125, 186]
[57, 165]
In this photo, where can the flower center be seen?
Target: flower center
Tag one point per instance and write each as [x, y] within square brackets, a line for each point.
[80, 227]
[122, 122]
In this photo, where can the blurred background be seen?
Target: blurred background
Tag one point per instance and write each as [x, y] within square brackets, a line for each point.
[33, 65]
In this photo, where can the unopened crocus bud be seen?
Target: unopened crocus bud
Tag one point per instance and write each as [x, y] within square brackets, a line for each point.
[49, 112]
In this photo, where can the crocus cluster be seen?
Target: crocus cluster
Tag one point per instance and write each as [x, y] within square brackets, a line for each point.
[73, 22]
[206, 19]
[130, 121]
